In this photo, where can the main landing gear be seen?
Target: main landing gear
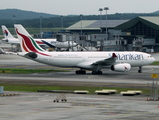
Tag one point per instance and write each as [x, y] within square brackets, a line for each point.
[98, 72]
[140, 69]
[80, 71]
[94, 72]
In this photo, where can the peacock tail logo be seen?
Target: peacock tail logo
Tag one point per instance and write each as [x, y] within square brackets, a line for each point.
[29, 45]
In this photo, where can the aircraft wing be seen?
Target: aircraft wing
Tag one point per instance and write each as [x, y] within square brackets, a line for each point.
[104, 62]
[108, 61]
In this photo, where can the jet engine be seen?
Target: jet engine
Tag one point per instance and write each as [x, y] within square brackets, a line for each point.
[122, 67]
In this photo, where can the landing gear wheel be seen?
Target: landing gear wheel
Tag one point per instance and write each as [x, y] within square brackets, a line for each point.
[97, 72]
[140, 69]
[80, 72]
[100, 72]
[93, 72]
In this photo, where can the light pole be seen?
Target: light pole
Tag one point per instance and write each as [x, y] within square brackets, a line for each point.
[106, 8]
[100, 9]
[14, 18]
[61, 21]
[14, 21]
[40, 26]
[81, 23]
[81, 30]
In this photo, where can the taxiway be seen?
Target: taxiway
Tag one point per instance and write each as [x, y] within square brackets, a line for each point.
[40, 106]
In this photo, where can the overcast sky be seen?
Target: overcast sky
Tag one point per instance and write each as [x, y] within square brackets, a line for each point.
[85, 7]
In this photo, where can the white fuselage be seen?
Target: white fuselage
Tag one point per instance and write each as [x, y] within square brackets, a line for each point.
[53, 42]
[85, 59]
[63, 44]
[16, 41]
[10, 41]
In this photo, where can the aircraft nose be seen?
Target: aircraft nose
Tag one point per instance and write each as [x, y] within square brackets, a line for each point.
[153, 59]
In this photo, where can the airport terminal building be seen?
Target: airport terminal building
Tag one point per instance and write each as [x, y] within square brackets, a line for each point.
[140, 33]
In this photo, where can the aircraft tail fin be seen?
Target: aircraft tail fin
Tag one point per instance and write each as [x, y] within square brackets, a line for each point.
[6, 32]
[27, 43]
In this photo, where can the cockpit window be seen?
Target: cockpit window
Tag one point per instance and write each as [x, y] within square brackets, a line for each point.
[149, 56]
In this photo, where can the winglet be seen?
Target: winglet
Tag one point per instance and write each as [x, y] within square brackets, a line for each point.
[114, 55]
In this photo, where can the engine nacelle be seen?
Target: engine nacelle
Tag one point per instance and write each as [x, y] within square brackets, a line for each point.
[122, 67]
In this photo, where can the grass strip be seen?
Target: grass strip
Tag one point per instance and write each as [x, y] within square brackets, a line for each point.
[155, 63]
[26, 71]
[35, 88]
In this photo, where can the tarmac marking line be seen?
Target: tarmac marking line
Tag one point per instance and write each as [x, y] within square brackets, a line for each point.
[22, 66]
[45, 67]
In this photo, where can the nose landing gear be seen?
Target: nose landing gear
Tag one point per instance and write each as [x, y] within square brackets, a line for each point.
[140, 69]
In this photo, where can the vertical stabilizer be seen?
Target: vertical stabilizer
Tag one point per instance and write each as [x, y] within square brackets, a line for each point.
[27, 43]
[6, 32]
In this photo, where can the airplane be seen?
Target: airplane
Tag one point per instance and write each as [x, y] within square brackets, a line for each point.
[4, 52]
[8, 38]
[94, 61]
[57, 44]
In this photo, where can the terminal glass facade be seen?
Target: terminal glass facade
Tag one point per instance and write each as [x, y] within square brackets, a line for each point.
[140, 29]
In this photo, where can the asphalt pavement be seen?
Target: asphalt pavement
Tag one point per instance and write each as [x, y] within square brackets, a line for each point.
[40, 106]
